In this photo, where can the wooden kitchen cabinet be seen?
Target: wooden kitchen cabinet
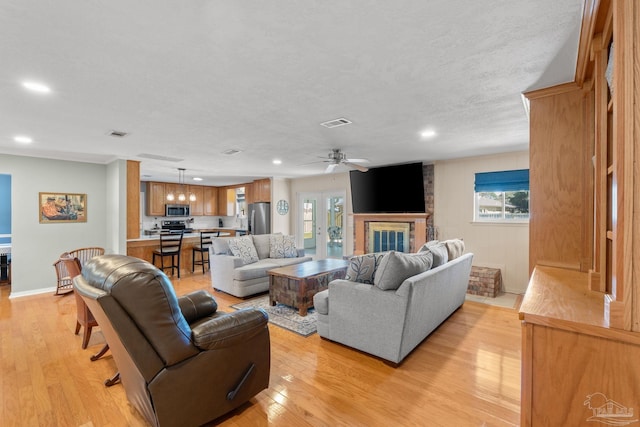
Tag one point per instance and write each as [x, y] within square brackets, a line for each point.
[249, 194]
[196, 207]
[226, 201]
[155, 198]
[262, 190]
[210, 200]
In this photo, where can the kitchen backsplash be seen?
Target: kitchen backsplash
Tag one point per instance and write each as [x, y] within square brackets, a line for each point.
[150, 222]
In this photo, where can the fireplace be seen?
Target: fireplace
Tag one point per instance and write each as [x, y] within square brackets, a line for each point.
[401, 232]
[387, 236]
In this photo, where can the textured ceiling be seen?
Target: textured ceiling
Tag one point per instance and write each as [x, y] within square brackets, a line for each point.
[189, 80]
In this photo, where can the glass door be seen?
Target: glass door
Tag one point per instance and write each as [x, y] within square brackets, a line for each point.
[322, 224]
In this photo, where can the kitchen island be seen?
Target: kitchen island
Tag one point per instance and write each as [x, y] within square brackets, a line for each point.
[144, 246]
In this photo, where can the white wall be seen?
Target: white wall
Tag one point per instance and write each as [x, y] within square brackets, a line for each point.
[493, 245]
[281, 190]
[35, 246]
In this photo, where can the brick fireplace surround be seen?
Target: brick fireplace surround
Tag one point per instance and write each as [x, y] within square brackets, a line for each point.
[418, 223]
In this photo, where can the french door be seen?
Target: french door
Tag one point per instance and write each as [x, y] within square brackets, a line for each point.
[321, 224]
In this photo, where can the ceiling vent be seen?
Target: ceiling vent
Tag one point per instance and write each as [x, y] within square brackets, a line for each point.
[117, 133]
[231, 152]
[156, 157]
[335, 123]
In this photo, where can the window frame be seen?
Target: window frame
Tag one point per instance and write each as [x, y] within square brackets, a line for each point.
[503, 182]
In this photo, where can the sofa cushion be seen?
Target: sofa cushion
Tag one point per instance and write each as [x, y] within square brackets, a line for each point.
[362, 268]
[221, 246]
[455, 248]
[281, 246]
[281, 262]
[255, 270]
[395, 267]
[243, 247]
[439, 251]
[261, 242]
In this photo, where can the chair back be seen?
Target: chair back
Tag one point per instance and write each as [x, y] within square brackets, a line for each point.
[171, 242]
[64, 280]
[85, 254]
[206, 238]
[72, 264]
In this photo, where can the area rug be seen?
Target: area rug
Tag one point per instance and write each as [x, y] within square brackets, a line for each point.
[284, 316]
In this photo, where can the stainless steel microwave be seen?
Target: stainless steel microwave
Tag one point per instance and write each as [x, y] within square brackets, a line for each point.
[176, 210]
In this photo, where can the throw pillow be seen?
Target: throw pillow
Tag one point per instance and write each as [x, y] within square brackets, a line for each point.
[395, 267]
[243, 248]
[455, 248]
[362, 268]
[262, 244]
[221, 246]
[439, 251]
[281, 246]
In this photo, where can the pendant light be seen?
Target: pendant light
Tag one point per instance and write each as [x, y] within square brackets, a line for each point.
[182, 197]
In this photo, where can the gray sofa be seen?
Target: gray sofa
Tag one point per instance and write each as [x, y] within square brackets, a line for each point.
[390, 323]
[243, 277]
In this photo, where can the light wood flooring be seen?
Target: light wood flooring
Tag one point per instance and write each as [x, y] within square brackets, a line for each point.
[467, 373]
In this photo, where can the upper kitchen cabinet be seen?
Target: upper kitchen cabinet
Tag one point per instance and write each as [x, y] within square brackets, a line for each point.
[258, 191]
[197, 206]
[210, 200]
[155, 196]
[226, 201]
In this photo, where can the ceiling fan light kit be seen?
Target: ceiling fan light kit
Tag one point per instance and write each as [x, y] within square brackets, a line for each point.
[337, 157]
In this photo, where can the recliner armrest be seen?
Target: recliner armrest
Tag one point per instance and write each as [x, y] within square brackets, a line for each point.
[230, 329]
[197, 305]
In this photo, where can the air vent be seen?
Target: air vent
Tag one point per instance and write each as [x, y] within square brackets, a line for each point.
[156, 157]
[231, 152]
[117, 133]
[335, 123]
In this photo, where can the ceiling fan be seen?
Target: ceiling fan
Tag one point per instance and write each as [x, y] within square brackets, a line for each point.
[337, 157]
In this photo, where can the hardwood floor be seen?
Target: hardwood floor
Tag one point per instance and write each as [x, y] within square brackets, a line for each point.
[467, 373]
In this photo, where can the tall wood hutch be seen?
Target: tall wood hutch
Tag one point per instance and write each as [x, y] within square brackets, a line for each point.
[581, 312]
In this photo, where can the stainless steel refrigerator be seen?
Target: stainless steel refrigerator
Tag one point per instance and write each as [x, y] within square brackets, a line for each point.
[259, 218]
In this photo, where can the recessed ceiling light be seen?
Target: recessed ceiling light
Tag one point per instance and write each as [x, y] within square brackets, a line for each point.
[23, 139]
[429, 133]
[195, 178]
[277, 161]
[36, 87]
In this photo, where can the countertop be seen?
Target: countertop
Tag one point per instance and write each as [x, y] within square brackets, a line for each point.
[196, 233]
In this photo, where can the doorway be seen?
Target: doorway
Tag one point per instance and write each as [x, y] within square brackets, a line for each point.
[321, 221]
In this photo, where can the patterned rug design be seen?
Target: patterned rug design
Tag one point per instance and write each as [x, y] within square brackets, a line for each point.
[284, 316]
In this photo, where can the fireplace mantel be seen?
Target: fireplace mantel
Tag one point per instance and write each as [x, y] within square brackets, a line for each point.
[419, 220]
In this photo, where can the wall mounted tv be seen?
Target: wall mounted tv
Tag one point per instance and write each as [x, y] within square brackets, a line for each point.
[388, 189]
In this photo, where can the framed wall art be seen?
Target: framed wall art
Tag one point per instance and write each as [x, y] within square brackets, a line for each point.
[62, 207]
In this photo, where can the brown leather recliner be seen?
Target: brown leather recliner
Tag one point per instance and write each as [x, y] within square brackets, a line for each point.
[182, 362]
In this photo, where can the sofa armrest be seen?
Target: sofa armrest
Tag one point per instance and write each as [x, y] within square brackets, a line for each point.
[197, 305]
[229, 329]
[222, 267]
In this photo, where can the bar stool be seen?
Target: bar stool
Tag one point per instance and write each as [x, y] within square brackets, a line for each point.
[170, 246]
[205, 242]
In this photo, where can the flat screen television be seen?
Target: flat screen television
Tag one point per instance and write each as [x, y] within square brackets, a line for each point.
[388, 189]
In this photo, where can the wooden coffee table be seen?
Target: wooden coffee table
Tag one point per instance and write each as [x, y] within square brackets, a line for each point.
[295, 285]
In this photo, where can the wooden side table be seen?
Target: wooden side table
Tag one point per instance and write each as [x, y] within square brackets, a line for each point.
[295, 285]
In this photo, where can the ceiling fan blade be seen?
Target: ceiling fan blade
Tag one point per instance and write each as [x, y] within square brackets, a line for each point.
[330, 168]
[355, 166]
[356, 160]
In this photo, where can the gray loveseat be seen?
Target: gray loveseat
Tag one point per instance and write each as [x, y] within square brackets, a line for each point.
[245, 274]
[390, 323]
